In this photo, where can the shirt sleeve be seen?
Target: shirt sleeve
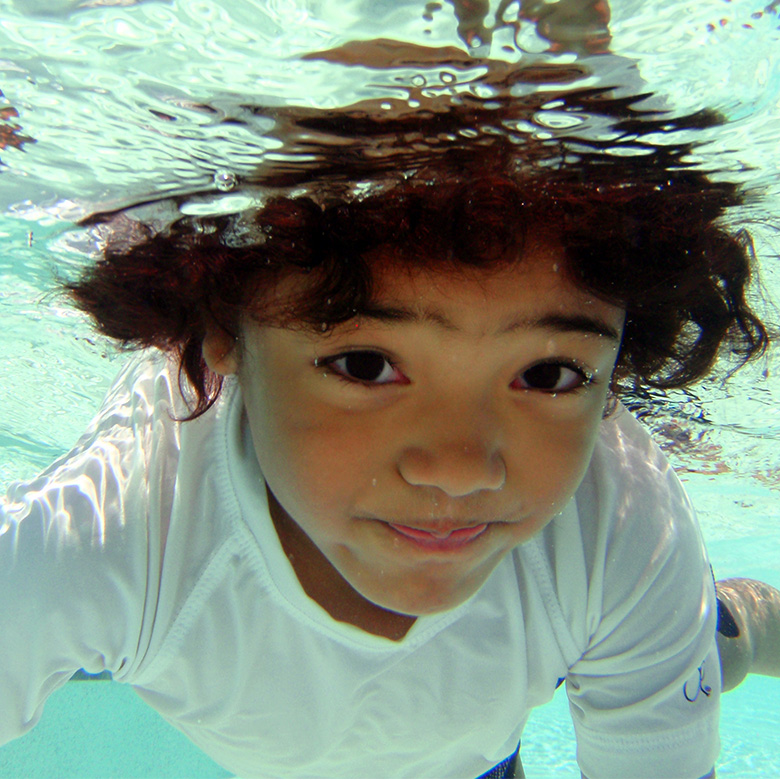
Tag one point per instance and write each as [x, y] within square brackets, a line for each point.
[644, 694]
[77, 560]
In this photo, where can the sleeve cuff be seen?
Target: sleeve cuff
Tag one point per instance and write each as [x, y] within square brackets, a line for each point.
[690, 751]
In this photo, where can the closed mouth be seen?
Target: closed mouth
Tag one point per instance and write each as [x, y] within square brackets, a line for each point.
[441, 538]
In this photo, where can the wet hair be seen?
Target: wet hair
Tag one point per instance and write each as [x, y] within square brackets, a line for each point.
[645, 232]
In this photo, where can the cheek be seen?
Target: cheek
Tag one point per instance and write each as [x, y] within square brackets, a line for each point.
[317, 467]
[554, 468]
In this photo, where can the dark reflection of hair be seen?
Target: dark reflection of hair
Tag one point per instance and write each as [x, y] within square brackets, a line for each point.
[451, 184]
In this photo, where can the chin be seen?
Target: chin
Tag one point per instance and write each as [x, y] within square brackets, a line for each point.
[430, 600]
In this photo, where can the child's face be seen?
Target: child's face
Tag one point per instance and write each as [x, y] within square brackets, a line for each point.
[465, 404]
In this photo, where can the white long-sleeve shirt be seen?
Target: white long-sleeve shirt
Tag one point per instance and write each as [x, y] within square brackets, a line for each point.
[148, 550]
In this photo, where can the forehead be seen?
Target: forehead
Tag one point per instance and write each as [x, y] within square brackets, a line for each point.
[534, 289]
[530, 291]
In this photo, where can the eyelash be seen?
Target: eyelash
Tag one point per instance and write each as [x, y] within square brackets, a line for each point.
[588, 379]
[329, 364]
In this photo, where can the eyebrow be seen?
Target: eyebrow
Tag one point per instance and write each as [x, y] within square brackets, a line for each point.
[561, 323]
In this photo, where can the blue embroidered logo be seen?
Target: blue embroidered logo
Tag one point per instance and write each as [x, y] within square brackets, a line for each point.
[691, 689]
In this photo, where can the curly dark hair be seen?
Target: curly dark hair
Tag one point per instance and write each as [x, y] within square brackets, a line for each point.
[644, 231]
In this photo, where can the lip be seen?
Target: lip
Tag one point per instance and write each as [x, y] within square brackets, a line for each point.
[442, 539]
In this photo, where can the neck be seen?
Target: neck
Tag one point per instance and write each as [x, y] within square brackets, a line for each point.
[322, 582]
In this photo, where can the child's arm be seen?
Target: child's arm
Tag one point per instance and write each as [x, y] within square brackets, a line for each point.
[77, 552]
[748, 630]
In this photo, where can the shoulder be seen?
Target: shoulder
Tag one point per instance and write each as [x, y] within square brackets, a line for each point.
[631, 495]
[96, 497]
[626, 461]
[629, 501]
[146, 387]
[628, 539]
[641, 522]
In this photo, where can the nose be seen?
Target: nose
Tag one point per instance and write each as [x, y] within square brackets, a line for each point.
[457, 465]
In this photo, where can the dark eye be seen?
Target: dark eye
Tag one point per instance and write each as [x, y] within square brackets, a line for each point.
[553, 378]
[365, 366]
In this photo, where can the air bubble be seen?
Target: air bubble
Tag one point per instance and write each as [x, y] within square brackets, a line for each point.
[225, 181]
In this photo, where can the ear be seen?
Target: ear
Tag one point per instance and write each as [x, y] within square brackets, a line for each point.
[220, 350]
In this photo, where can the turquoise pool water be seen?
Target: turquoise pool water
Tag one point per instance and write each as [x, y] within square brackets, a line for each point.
[90, 81]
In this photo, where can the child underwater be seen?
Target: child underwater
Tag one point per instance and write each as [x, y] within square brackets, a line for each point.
[369, 495]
